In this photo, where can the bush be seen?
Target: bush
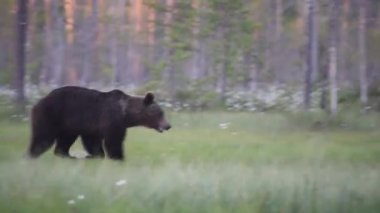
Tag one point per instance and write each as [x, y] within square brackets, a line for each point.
[279, 98]
[199, 95]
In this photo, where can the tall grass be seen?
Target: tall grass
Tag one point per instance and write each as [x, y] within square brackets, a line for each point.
[258, 163]
[176, 187]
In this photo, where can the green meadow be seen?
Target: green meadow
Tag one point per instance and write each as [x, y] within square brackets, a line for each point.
[208, 162]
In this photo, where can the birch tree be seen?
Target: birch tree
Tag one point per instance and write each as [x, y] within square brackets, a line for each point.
[312, 52]
[363, 53]
[333, 68]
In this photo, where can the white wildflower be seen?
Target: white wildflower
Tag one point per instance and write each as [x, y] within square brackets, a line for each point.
[80, 197]
[121, 182]
[224, 125]
[71, 202]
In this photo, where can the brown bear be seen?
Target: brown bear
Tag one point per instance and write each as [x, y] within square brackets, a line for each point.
[99, 118]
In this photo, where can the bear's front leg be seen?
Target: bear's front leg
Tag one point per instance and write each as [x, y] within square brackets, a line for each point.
[114, 143]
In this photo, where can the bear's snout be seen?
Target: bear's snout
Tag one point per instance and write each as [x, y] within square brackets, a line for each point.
[163, 126]
[167, 127]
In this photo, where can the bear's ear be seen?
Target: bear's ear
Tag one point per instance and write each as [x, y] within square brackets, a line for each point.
[149, 98]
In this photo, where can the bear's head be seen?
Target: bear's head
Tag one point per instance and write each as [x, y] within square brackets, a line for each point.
[144, 111]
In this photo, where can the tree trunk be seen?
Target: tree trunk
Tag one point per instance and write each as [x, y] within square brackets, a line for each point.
[333, 57]
[268, 38]
[58, 44]
[363, 54]
[250, 70]
[22, 26]
[195, 68]
[70, 76]
[159, 50]
[35, 27]
[324, 87]
[277, 43]
[344, 42]
[45, 74]
[312, 53]
[118, 48]
[91, 44]
[225, 63]
[170, 51]
[224, 71]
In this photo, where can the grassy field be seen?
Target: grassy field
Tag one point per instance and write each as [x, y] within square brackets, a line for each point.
[208, 162]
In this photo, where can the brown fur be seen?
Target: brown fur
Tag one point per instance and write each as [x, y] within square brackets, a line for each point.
[99, 118]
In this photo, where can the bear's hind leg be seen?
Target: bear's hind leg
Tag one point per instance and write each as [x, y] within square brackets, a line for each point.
[93, 144]
[40, 144]
[64, 142]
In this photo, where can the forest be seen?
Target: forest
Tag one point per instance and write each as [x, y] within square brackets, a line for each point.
[274, 105]
[251, 55]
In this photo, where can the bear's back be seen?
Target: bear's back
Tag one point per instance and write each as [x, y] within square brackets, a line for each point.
[72, 107]
[73, 98]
